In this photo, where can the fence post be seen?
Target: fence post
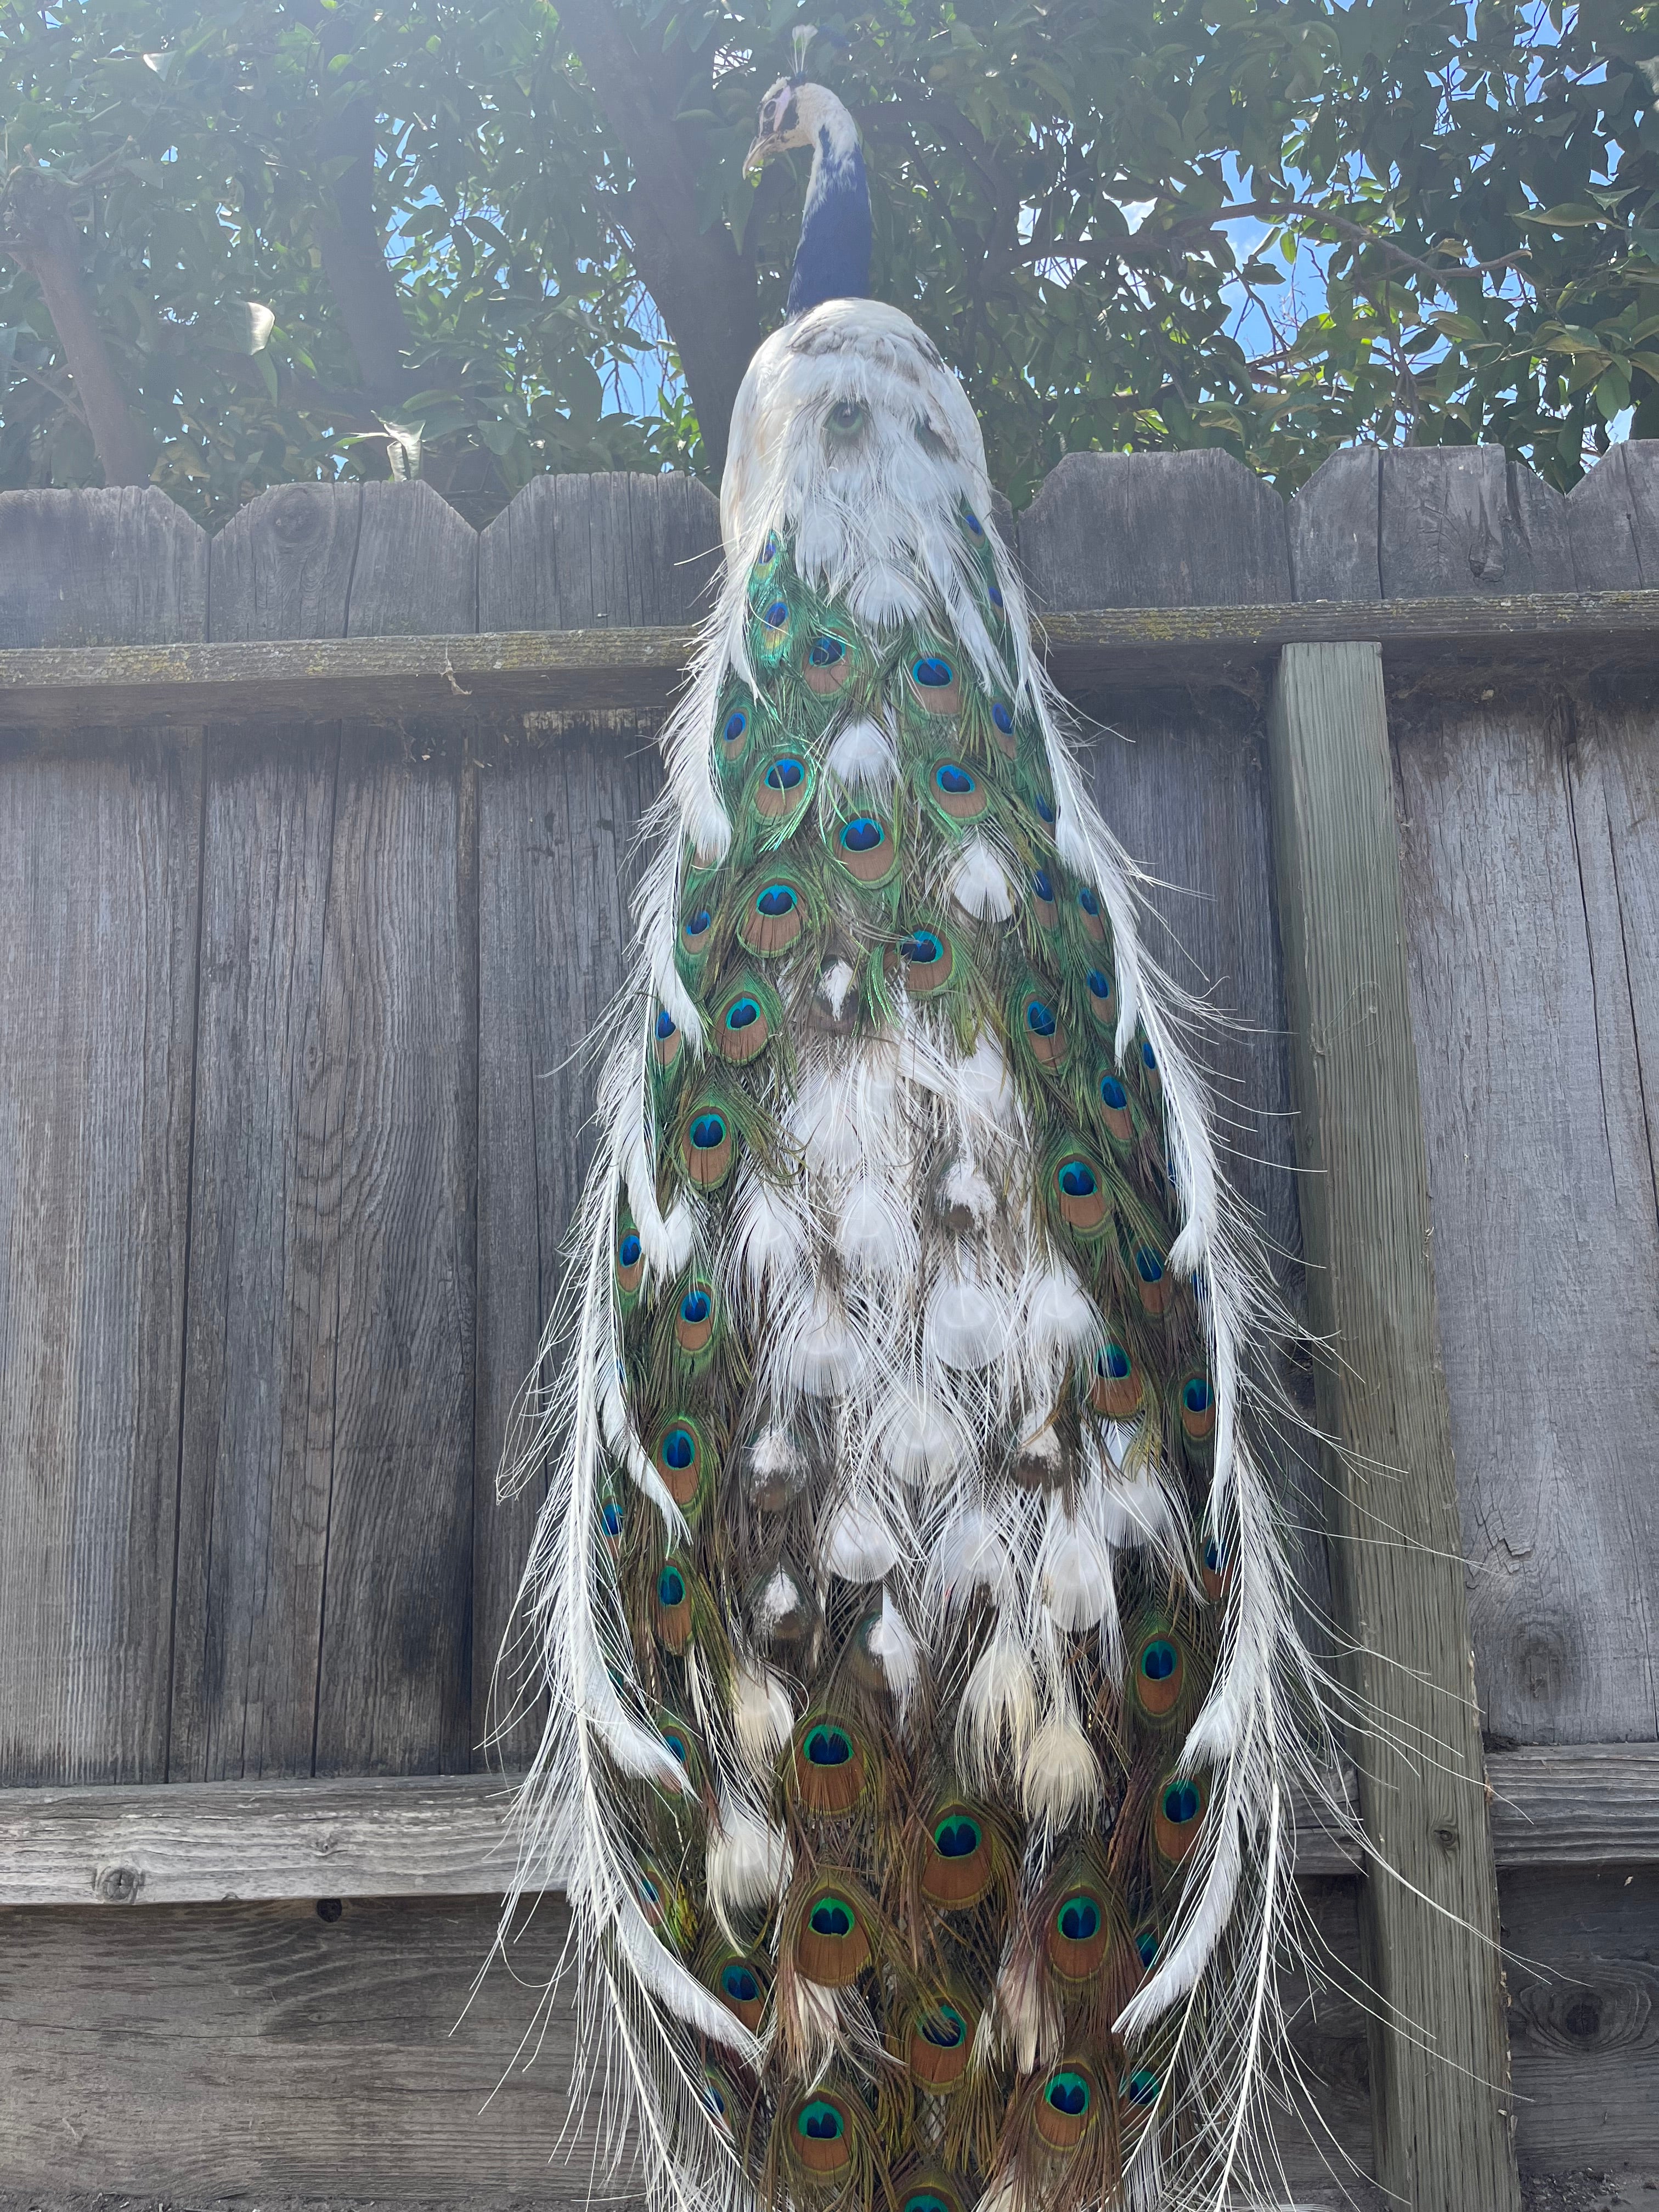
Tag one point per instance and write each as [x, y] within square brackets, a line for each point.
[1442, 2135]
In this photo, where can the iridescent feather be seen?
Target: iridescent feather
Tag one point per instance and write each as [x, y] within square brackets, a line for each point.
[926, 1697]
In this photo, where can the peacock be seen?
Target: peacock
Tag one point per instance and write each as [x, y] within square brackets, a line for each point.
[926, 1692]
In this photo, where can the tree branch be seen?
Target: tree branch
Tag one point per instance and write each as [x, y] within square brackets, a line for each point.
[702, 286]
[352, 243]
[37, 233]
[1098, 253]
[64, 394]
[351, 238]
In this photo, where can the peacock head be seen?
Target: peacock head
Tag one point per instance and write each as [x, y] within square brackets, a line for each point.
[796, 113]
[786, 122]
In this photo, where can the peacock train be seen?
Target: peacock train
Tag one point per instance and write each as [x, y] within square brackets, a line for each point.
[925, 1694]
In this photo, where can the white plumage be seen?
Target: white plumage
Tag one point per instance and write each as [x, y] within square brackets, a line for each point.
[917, 1483]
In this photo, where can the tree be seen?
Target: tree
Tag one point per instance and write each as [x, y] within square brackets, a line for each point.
[307, 237]
[246, 241]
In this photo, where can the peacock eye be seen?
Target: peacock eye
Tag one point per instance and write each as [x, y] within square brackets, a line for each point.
[846, 419]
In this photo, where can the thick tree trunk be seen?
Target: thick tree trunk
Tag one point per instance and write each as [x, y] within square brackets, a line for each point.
[39, 236]
[353, 246]
[703, 288]
[351, 238]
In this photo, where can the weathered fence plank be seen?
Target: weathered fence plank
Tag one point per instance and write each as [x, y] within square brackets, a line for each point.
[1525, 938]
[209, 1842]
[1182, 782]
[258, 1373]
[1440, 2116]
[558, 810]
[607, 552]
[1335, 529]
[1456, 520]
[1567, 1807]
[261, 2046]
[99, 861]
[1421, 521]
[1612, 517]
[389, 1194]
[1154, 530]
[99, 568]
[99, 857]
[346, 560]
[1583, 1980]
[323, 1605]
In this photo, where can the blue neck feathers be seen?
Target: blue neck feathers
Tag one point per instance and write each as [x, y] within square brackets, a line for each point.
[832, 260]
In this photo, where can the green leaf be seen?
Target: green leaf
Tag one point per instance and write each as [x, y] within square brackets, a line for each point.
[1570, 216]
[403, 448]
[1613, 392]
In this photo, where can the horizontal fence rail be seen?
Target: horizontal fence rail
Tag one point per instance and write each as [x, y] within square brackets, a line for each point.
[389, 680]
[450, 1835]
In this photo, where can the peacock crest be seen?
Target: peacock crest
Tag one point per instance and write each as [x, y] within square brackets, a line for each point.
[924, 1693]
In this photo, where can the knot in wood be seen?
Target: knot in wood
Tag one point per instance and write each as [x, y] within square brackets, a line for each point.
[117, 1885]
[298, 516]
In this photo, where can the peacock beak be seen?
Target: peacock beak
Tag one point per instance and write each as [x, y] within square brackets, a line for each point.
[767, 143]
[773, 133]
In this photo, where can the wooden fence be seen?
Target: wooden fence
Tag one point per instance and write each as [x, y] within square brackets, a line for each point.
[315, 857]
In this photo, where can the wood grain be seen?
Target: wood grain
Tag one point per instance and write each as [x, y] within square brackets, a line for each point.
[344, 561]
[325, 1569]
[218, 1842]
[1583, 1966]
[556, 823]
[117, 567]
[1585, 1806]
[100, 860]
[1154, 530]
[1442, 2135]
[388, 681]
[1576, 1805]
[1464, 520]
[394, 1664]
[99, 864]
[1532, 888]
[1612, 518]
[282, 566]
[257, 1431]
[600, 552]
[163, 2052]
[1336, 527]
